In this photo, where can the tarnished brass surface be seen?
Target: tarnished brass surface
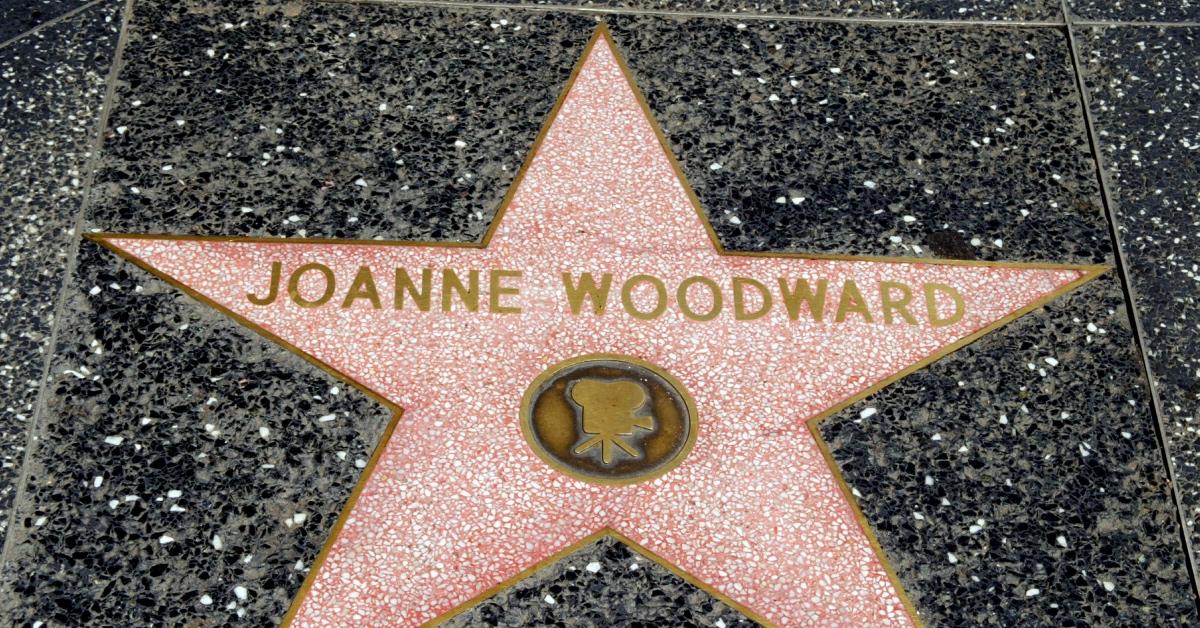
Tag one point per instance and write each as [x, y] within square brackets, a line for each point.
[608, 419]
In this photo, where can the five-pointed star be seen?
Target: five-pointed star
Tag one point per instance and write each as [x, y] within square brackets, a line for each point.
[455, 503]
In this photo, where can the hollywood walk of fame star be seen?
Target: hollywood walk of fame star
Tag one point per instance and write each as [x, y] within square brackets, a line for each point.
[456, 503]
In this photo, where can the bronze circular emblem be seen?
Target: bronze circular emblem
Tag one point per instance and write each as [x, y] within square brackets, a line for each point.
[608, 419]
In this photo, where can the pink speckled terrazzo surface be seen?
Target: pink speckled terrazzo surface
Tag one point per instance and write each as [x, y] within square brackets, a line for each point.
[458, 502]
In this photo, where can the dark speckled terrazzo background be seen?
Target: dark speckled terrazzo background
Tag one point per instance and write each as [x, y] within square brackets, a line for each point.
[271, 124]
[19, 16]
[1017, 492]
[869, 140]
[984, 10]
[1137, 10]
[185, 471]
[1145, 90]
[175, 452]
[51, 87]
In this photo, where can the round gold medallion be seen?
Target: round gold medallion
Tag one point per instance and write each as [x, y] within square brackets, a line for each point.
[608, 419]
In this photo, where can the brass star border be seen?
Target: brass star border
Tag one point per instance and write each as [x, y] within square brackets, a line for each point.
[602, 32]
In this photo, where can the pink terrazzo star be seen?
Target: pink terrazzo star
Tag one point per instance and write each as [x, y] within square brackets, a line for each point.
[458, 502]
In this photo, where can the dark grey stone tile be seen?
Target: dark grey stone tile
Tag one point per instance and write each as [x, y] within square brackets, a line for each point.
[176, 454]
[18, 16]
[51, 90]
[329, 120]
[290, 163]
[878, 140]
[1009, 489]
[1144, 85]
[988, 10]
[1136, 10]
[603, 584]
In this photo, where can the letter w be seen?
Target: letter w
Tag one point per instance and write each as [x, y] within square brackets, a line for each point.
[587, 288]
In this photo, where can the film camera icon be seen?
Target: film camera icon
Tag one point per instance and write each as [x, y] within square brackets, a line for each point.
[610, 412]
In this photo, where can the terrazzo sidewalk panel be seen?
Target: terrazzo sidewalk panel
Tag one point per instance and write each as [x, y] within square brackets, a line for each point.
[1148, 11]
[184, 470]
[587, 586]
[20, 16]
[1144, 84]
[1020, 480]
[600, 191]
[319, 119]
[977, 10]
[961, 143]
[51, 89]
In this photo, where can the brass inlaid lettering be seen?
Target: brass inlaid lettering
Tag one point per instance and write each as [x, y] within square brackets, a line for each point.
[897, 305]
[852, 302]
[803, 298]
[739, 299]
[294, 285]
[681, 296]
[587, 289]
[660, 291]
[468, 295]
[363, 287]
[404, 286]
[935, 318]
[800, 293]
[272, 290]
[496, 290]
